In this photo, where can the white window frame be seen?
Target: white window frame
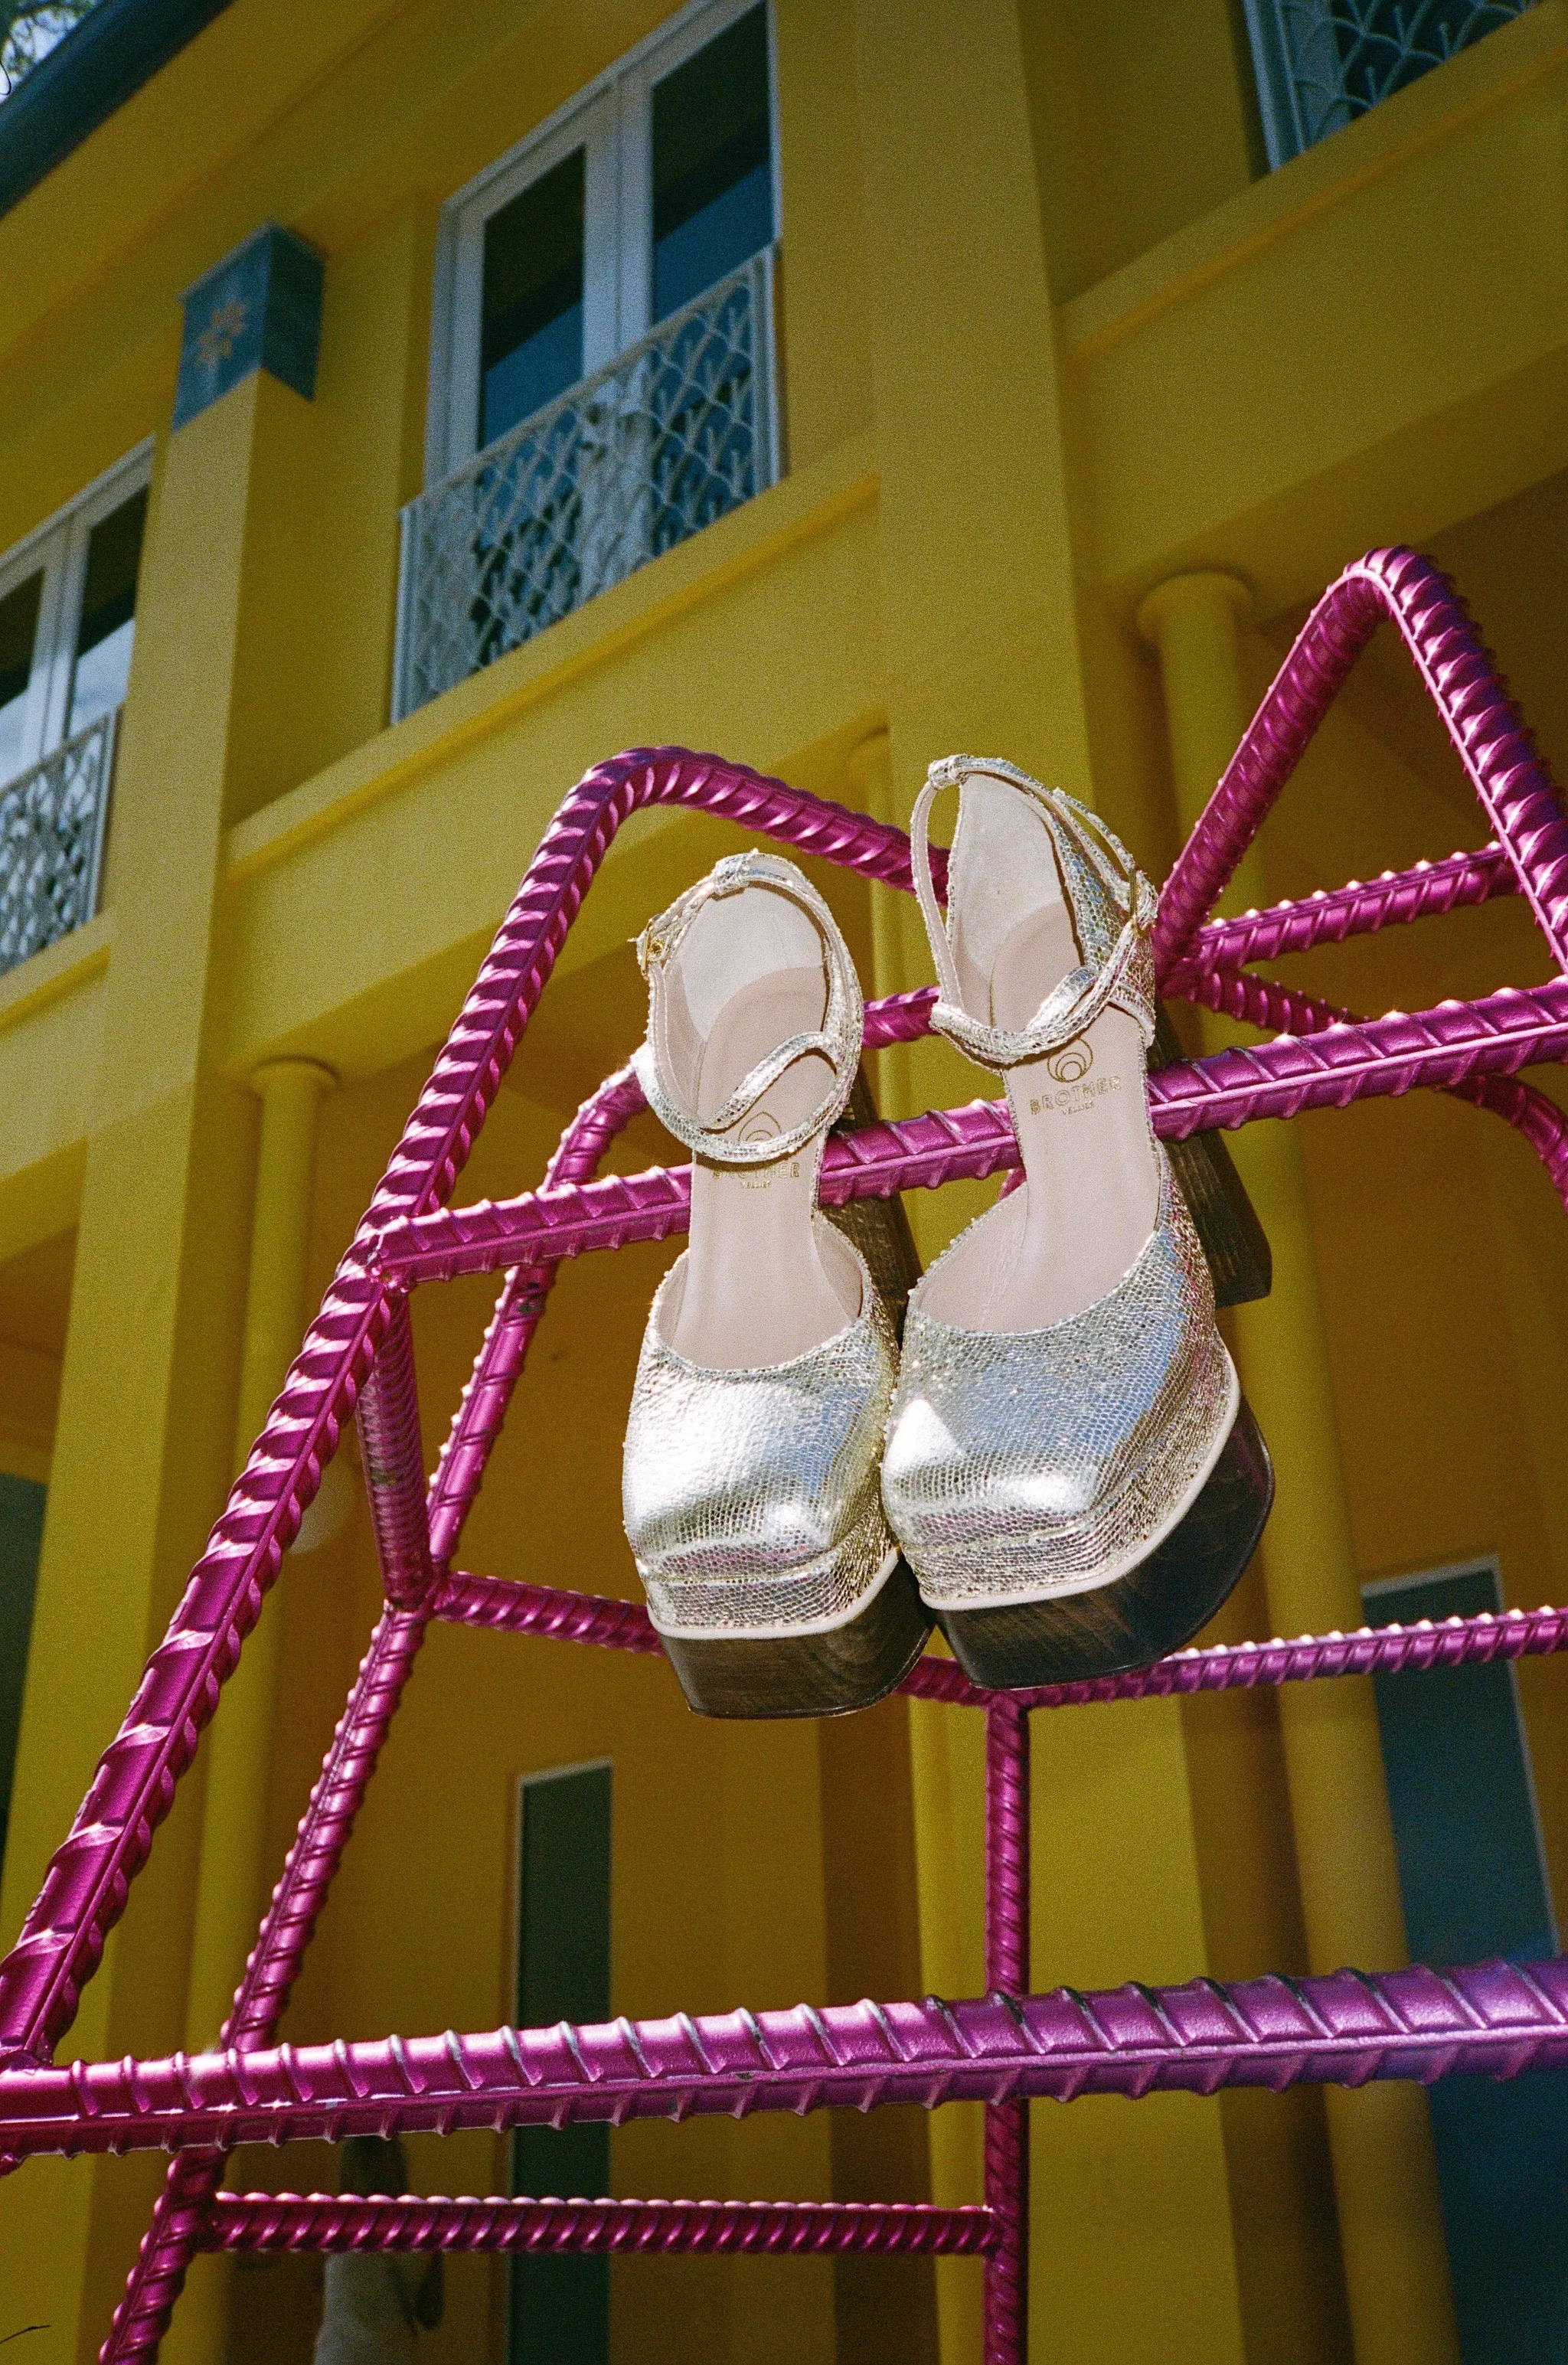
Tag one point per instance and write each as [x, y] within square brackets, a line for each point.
[611, 116]
[59, 549]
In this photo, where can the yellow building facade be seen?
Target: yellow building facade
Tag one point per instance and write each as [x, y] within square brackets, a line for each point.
[1070, 405]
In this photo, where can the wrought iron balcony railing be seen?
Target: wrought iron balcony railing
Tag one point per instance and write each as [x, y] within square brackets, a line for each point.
[1321, 63]
[51, 842]
[681, 428]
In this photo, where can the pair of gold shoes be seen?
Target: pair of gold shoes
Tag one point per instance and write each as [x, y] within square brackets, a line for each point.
[1061, 1471]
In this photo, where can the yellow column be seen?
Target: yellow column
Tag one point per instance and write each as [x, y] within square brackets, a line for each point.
[149, 1383]
[980, 630]
[234, 1877]
[1386, 2180]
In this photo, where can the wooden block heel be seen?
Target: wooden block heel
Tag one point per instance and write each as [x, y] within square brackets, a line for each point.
[1234, 1241]
[1138, 1617]
[852, 1666]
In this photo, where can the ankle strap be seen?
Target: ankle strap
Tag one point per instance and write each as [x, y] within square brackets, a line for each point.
[1094, 864]
[837, 1040]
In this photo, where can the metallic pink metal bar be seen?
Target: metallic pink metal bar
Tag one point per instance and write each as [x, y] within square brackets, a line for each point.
[1514, 785]
[1490, 2019]
[1264, 1001]
[1393, 1055]
[1359, 909]
[508, 1606]
[181, 2210]
[1006, 2306]
[320, 2221]
[519, 1311]
[393, 1455]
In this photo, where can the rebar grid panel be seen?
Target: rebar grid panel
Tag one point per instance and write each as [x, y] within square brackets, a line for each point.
[51, 842]
[1495, 2019]
[321, 2221]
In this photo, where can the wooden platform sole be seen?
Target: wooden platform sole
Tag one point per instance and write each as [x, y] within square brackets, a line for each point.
[1138, 1617]
[807, 1675]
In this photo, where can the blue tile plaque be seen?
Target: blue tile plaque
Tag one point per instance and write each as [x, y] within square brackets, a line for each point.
[259, 309]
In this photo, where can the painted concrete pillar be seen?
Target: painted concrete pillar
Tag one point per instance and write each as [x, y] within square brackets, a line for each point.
[144, 1440]
[233, 1876]
[232, 1881]
[1385, 2179]
[146, 1424]
[980, 634]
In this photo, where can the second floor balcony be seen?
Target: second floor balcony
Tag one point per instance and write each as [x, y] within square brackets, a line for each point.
[53, 822]
[681, 428]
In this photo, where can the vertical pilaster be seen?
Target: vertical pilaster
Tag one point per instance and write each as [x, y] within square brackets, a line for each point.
[980, 634]
[232, 1875]
[1385, 2179]
[149, 1381]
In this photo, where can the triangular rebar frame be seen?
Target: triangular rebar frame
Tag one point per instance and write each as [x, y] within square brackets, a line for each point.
[1496, 2019]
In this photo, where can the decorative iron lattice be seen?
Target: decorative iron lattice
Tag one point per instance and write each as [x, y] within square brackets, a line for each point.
[679, 430]
[51, 842]
[1321, 63]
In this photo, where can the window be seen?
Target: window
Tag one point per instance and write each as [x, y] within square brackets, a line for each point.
[1472, 1880]
[67, 610]
[1319, 63]
[67, 621]
[602, 362]
[21, 1540]
[560, 2304]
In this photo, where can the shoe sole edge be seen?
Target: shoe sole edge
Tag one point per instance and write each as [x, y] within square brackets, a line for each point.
[832, 1674]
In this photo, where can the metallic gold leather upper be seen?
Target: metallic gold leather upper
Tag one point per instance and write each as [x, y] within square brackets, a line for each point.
[1024, 1464]
[751, 1498]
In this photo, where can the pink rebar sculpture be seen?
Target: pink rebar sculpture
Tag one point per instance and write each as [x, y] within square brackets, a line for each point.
[357, 1358]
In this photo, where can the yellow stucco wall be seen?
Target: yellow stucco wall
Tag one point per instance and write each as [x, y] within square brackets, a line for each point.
[1051, 337]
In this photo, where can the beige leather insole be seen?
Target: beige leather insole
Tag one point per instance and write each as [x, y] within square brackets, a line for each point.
[1092, 1192]
[761, 1283]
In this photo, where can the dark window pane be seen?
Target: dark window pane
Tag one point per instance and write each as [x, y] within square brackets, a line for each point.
[108, 613]
[18, 630]
[560, 2305]
[532, 333]
[21, 1537]
[1473, 1886]
[713, 177]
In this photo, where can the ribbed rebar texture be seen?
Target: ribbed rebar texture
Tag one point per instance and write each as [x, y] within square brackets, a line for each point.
[1264, 1001]
[519, 1311]
[1490, 2020]
[393, 1455]
[505, 1606]
[319, 2221]
[1007, 1973]
[180, 2213]
[1333, 915]
[1516, 791]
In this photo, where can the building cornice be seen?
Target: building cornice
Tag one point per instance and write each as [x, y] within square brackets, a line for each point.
[101, 63]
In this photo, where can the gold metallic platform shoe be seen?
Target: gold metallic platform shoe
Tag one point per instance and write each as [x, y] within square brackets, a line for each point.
[750, 1480]
[1070, 1467]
